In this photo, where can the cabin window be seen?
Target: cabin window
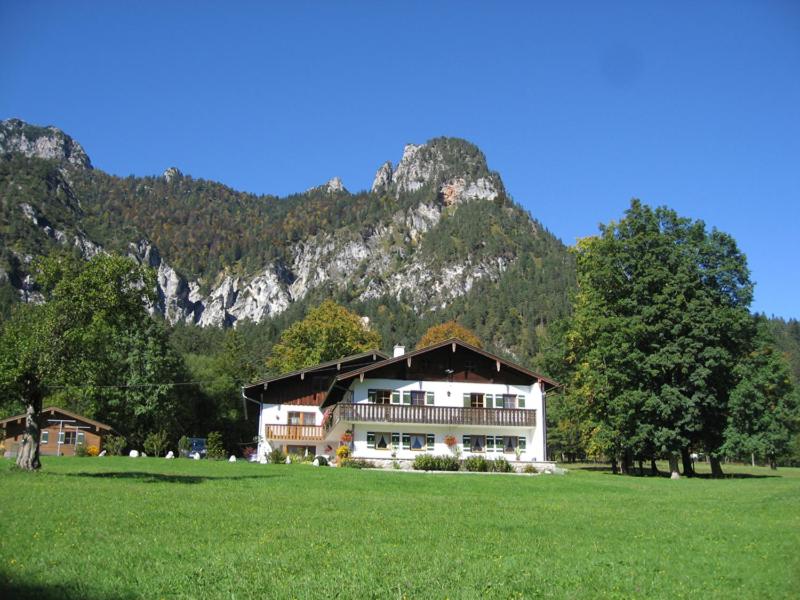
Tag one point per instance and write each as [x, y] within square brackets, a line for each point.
[418, 441]
[510, 443]
[431, 441]
[521, 443]
[61, 437]
[429, 398]
[379, 440]
[379, 396]
[406, 441]
[465, 442]
[45, 437]
[520, 401]
[395, 441]
[478, 443]
[81, 437]
[69, 438]
[490, 446]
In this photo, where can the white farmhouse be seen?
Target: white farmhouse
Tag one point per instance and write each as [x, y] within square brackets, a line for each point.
[449, 398]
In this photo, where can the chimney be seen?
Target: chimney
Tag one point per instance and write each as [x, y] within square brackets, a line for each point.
[399, 350]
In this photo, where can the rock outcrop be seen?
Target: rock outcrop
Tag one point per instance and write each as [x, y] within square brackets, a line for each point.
[41, 142]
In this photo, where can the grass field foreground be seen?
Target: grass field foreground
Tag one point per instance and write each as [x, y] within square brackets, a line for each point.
[116, 527]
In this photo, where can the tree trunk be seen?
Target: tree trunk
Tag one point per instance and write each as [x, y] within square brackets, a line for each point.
[673, 466]
[614, 469]
[625, 463]
[716, 466]
[773, 464]
[28, 452]
[688, 467]
[752, 459]
[641, 467]
[653, 467]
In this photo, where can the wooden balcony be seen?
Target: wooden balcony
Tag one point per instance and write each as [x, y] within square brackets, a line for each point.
[434, 415]
[294, 432]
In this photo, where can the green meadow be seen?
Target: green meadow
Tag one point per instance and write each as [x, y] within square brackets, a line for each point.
[117, 527]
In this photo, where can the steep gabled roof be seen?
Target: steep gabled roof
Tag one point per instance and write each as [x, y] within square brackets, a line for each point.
[63, 411]
[375, 354]
[343, 381]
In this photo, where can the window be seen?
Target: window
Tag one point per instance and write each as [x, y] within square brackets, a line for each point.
[45, 437]
[509, 401]
[478, 443]
[379, 440]
[466, 442]
[81, 437]
[69, 437]
[301, 418]
[380, 396]
[429, 398]
[520, 401]
[417, 398]
[396, 440]
[419, 441]
[473, 401]
[490, 443]
[406, 441]
[60, 437]
[521, 443]
[510, 443]
[431, 441]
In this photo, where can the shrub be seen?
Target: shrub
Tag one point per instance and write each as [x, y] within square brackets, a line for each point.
[115, 444]
[92, 451]
[184, 445]
[476, 464]
[501, 465]
[343, 453]
[428, 462]
[277, 457]
[530, 469]
[155, 443]
[81, 450]
[321, 460]
[356, 463]
[214, 447]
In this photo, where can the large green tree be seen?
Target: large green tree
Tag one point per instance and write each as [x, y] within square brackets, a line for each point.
[445, 331]
[763, 408]
[327, 332]
[90, 346]
[660, 322]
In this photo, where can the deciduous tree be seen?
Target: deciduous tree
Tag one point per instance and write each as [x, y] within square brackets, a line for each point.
[445, 331]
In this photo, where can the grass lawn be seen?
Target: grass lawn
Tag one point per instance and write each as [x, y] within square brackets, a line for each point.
[131, 528]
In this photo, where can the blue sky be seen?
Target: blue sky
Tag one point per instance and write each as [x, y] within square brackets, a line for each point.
[579, 106]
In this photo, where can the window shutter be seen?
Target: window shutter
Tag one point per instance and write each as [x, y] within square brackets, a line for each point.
[370, 439]
[406, 441]
[520, 401]
[431, 440]
[467, 403]
[395, 397]
[396, 441]
[406, 397]
[429, 398]
[465, 440]
[371, 396]
[521, 444]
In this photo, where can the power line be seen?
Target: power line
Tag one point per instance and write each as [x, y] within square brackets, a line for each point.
[128, 385]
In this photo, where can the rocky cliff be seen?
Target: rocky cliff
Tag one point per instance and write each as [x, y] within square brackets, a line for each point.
[427, 233]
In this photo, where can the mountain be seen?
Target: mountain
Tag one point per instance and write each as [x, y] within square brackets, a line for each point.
[436, 237]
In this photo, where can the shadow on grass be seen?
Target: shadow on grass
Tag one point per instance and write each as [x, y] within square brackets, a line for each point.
[34, 591]
[146, 477]
[606, 469]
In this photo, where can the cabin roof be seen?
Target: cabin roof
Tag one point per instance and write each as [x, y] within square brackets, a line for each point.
[63, 411]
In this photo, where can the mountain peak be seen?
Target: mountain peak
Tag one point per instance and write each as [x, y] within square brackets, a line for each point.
[456, 168]
[41, 142]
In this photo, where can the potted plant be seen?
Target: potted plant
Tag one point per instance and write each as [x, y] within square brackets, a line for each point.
[450, 440]
[347, 437]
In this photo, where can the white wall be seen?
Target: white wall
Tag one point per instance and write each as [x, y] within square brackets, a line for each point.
[278, 414]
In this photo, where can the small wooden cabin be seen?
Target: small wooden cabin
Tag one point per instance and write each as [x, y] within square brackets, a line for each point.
[62, 432]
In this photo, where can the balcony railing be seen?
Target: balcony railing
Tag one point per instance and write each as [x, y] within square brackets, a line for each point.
[437, 415]
[294, 432]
